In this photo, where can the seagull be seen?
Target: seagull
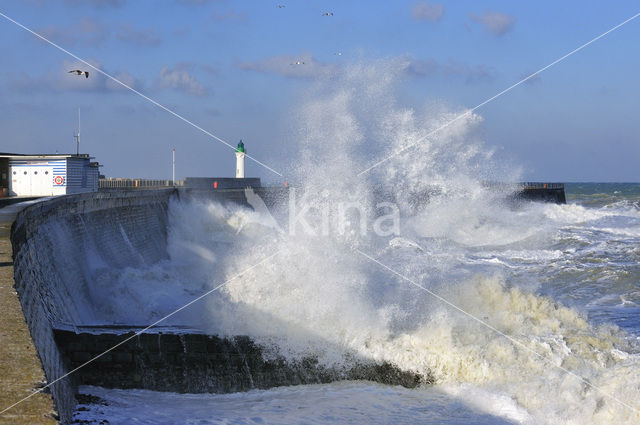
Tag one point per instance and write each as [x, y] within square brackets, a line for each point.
[280, 6]
[298, 63]
[338, 53]
[327, 14]
[77, 71]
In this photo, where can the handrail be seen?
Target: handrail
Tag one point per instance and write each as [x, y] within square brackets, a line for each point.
[127, 183]
[539, 185]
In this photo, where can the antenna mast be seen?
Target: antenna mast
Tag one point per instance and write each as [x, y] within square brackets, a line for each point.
[78, 135]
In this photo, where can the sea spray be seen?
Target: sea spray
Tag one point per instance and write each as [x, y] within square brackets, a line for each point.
[327, 299]
[506, 266]
[320, 299]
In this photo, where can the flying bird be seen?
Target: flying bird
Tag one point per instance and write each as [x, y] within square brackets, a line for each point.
[338, 53]
[298, 63]
[77, 71]
[327, 14]
[280, 6]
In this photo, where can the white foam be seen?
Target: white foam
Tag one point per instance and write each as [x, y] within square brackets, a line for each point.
[500, 405]
[319, 296]
[341, 403]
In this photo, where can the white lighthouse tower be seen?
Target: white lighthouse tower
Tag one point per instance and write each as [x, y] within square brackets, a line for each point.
[240, 153]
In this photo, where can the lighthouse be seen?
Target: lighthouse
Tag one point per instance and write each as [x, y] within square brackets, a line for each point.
[240, 152]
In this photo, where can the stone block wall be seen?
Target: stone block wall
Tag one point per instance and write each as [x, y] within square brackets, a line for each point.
[196, 363]
[55, 245]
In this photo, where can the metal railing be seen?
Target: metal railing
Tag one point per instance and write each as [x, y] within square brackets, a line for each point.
[539, 185]
[126, 183]
[523, 185]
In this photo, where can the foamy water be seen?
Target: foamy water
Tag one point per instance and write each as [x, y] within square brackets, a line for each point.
[310, 404]
[541, 291]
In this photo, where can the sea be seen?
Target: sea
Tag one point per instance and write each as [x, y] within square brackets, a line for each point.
[524, 313]
[396, 250]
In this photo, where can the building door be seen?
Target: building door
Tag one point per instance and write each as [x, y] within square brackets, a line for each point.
[42, 181]
[31, 181]
[20, 181]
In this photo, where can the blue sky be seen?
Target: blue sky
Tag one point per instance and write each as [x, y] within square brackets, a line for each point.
[227, 66]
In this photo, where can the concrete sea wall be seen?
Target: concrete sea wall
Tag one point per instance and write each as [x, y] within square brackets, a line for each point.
[61, 246]
[198, 363]
[52, 243]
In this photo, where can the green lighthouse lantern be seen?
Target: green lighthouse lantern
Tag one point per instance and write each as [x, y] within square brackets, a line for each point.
[240, 153]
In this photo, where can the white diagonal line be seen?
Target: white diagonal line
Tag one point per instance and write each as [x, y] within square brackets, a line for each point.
[470, 111]
[175, 114]
[510, 338]
[142, 331]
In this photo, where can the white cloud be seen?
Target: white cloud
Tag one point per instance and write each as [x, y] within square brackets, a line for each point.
[533, 80]
[449, 69]
[197, 2]
[423, 68]
[87, 31]
[60, 80]
[128, 33]
[427, 12]
[229, 15]
[495, 22]
[179, 78]
[97, 3]
[125, 78]
[303, 66]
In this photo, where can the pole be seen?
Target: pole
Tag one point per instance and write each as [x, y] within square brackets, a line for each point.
[173, 166]
[78, 137]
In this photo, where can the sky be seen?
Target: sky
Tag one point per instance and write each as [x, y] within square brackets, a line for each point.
[231, 68]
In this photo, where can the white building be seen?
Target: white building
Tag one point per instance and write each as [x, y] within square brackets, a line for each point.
[47, 175]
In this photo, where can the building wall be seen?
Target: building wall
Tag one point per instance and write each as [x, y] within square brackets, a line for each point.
[50, 177]
[94, 177]
[221, 182]
[59, 176]
[80, 176]
[30, 177]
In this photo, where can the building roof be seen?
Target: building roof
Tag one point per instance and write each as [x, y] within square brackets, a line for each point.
[45, 156]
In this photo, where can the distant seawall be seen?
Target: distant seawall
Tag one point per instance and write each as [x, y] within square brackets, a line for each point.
[60, 246]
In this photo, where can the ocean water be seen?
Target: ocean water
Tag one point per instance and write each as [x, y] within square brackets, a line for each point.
[524, 313]
[562, 280]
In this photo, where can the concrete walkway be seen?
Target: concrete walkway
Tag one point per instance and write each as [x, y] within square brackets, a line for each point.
[20, 368]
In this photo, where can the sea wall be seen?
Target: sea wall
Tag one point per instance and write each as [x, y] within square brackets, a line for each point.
[57, 246]
[62, 245]
[198, 363]
[544, 192]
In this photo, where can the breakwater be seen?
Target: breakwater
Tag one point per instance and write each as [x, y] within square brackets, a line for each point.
[198, 363]
[542, 192]
[54, 243]
[61, 248]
